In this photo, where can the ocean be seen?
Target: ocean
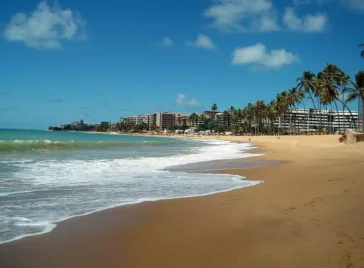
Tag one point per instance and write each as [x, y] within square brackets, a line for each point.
[47, 177]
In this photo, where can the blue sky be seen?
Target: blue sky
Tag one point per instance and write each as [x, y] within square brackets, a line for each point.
[101, 60]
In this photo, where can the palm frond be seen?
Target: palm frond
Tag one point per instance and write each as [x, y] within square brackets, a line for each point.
[351, 97]
[359, 79]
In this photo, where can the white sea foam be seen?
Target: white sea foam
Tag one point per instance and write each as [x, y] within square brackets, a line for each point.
[81, 171]
[71, 187]
[14, 193]
[47, 228]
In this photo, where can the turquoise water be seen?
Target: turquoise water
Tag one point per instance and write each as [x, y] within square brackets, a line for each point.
[46, 177]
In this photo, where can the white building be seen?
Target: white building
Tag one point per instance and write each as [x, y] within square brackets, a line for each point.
[145, 118]
[301, 120]
[129, 120]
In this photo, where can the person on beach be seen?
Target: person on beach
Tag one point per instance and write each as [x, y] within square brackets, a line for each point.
[342, 138]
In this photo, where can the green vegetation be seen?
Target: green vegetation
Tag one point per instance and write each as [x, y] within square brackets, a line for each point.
[194, 118]
[324, 90]
[103, 127]
[357, 92]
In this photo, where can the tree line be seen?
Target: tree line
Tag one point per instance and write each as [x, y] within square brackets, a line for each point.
[330, 89]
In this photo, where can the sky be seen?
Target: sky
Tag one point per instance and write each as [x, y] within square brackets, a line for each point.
[101, 60]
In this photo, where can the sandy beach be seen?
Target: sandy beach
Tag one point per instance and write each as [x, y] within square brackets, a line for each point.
[309, 212]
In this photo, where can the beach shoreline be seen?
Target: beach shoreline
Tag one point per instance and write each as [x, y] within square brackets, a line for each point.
[314, 197]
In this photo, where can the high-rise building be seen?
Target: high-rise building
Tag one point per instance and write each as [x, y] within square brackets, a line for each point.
[146, 119]
[164, 120]
[181, 120]
[129, 120]
[311, 120]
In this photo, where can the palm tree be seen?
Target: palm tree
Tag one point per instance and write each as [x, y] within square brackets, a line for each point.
[194, 118]
[214, 109]
[329, 83]
[233, 115]
[344, 81]
[307, 82]
[362, 52]
[271, 113]
[201, 117]
[357, 93]
[294, 97]
[258, 112]
[226, 116]
[179, 120]
[248, 111]
[283, 104]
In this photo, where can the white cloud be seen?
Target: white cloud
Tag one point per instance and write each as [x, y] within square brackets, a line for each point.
[242, 15]
[182, 100]
[202, 41]
[167, 42]
[45, 27]
[262, 16]
[309, 23]
[258, 57]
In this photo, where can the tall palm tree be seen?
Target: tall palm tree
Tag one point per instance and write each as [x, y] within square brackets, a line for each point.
[307, 82]
[194, 118]
[258, 113]
[357, 93]
[249, 115]
[201, 117]
[243, 120]
[280, 107]
[362, 52]
[294, 97]
[329, 83]
[179, 120]
[227, 117]
[271, 114]
[232, 112]
[344, 80]
[214, 110]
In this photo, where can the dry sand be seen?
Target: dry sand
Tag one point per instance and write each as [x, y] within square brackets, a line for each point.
[309, 212]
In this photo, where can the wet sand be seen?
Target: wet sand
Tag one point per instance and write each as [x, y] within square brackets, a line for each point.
[309, 212]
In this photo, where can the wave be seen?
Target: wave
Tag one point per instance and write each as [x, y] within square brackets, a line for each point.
[14, 146]
[14, 193]
[48, 226]
[67, 188]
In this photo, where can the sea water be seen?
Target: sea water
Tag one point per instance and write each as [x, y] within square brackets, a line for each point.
[46, 177]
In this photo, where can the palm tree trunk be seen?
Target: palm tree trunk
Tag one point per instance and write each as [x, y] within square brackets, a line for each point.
[319, 107]
[337, 111]
[351, 114]
[331, 123]
[362, 113]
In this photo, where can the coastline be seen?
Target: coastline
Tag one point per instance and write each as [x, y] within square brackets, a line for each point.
[313, 198]
[47, 224]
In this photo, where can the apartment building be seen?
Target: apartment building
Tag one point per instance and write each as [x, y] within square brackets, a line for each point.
[312, 120]
[164, 120]
[129, 120]
[146, 119]
[182, 120]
